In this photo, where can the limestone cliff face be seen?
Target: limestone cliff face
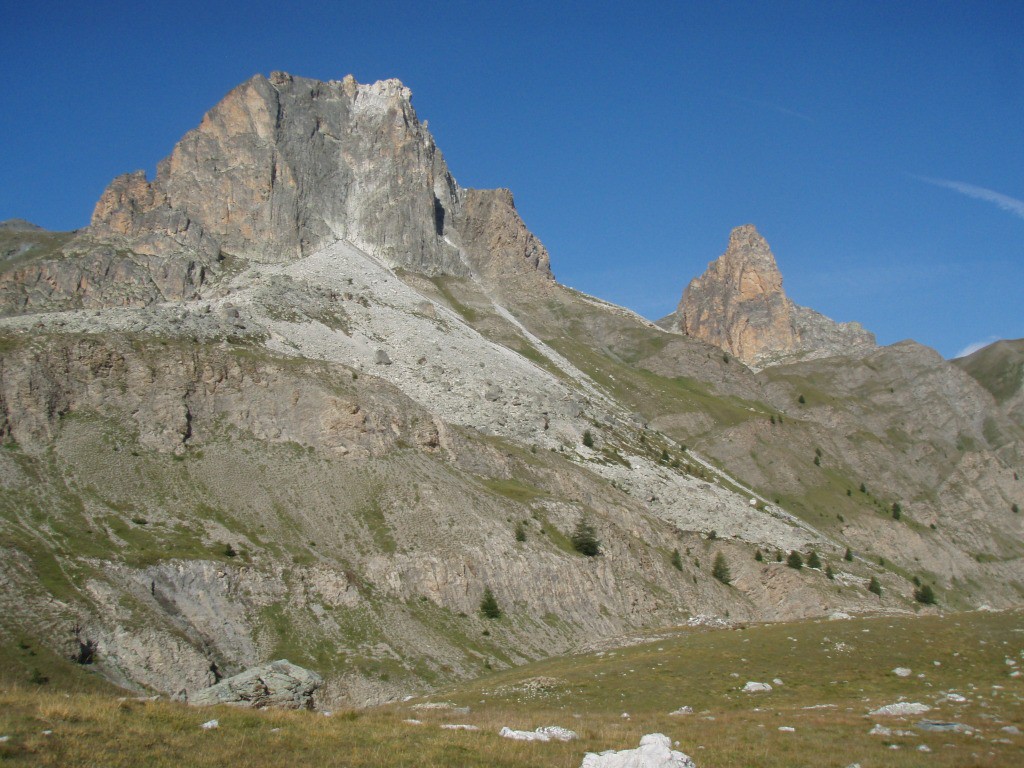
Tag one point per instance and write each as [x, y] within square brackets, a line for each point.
[739, 305]
[285, 166]
[279, 169]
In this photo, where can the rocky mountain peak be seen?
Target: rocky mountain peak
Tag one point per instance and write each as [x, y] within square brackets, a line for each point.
[739, 305]
[285, 166]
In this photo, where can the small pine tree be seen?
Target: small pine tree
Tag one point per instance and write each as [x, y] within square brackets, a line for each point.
[814, 561]
[677, 560]
[1015, 508]
[520, 532]
[801, 399]
[897, 510]
[489, 607]
[925, 595]
[778, 556]
[794, 560]
[759, 556]
[863, 488]
[588, 438]
[829, 572]
[584, 538]
[720, 569]
[874, 586]
[848, 557]
[817, 461]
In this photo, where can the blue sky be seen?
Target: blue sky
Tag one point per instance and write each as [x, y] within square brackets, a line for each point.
[877, 146]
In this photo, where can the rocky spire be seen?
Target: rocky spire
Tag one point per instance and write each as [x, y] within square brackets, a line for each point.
[739, 305]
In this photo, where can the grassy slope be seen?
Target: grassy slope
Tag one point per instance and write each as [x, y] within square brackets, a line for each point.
[999, 368]
[834, 673]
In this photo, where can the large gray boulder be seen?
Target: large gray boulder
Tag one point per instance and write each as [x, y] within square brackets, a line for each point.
[278, 684]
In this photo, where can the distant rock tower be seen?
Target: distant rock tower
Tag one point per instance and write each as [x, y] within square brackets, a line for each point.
[738, 305]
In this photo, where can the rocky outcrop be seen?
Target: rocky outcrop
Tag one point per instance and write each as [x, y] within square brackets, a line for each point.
[285, 166]
[739, 305]
[498, 245]
[277, 685]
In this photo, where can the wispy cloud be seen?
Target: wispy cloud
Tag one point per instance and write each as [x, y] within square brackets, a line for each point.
[1007, 203]
[974, 346]
[768, 105]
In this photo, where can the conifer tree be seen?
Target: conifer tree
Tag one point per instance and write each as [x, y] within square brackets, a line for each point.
[489, 605]
[720, 569]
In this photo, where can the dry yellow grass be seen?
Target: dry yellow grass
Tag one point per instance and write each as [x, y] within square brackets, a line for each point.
[834, 673]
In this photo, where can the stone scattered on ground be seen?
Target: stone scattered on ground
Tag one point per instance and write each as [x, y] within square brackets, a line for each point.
[655, 751]
[412, 721]
[956, 698]
[209, 725]
[545, 733]
[1011, 729]
[683, 711]
[787, 729]
[880, 730]
[279, 684]
[902, 672]
[941, 727]
[445, 705]
[924, 748]
[460, 727]
[902, 708]
[4, 738]
[753, 687]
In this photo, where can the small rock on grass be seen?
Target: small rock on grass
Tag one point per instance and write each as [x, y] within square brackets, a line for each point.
[902, 708]
[209, 725]
[546, 733]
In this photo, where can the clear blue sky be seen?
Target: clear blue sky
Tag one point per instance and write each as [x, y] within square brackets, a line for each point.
[878, 146]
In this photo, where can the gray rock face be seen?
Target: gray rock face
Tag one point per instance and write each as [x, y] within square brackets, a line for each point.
[279, 684]
[285, 166]
[738, 305]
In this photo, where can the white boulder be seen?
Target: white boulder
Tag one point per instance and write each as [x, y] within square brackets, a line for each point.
[752, 687]
[655, 751]
[546, 733]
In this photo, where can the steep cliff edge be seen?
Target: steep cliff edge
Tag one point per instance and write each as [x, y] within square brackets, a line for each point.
[280, 168]
[739, 305]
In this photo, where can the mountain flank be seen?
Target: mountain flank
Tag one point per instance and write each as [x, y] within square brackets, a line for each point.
[302, 396]
[999, 368]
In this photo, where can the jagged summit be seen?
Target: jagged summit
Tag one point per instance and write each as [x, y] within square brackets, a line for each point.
[279, 169]
[739, 305]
